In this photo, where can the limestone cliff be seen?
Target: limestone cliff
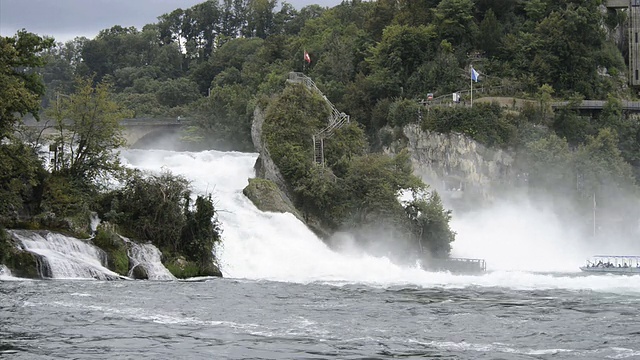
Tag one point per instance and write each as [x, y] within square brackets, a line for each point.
[455, 165]
[265, 167]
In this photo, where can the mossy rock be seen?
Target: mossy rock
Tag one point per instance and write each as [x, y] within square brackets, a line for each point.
[266, 196]
[182, 269]
[115, 248]
[49, 221]
[23, 264]
[139, 273]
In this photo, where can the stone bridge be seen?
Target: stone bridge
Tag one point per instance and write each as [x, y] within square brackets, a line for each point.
[136, 131]
[139, 130]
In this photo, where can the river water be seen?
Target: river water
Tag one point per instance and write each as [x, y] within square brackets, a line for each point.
[286, 295]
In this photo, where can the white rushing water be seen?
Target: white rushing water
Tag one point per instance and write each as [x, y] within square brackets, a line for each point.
[65, 257]
[148, 257]
[5, 273]
[275, 246]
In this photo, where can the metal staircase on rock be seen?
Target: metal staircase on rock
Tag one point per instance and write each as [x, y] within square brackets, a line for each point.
[337, 119]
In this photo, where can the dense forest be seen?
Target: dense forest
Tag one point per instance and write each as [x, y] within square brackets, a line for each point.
[215, 62]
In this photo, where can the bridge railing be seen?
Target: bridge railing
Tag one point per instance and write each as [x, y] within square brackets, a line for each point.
[123, 122]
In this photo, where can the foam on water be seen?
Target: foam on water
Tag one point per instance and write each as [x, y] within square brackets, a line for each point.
[5, 273]
[275, 246]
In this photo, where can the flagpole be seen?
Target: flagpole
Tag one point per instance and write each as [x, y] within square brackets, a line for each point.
[471, 82]
[594, 214]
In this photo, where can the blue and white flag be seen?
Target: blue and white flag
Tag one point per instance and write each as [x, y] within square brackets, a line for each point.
[474, 74]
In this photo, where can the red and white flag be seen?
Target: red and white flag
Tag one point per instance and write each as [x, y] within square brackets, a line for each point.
[307, 58]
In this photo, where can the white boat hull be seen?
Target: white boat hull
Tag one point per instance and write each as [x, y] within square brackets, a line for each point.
[612, 270]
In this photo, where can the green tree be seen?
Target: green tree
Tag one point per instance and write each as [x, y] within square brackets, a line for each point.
[490, 34]
[150, 208]
[177, 92]
[549, 163]
[431, 223]
[201, 231]
[373, 184]
[223, 119]
[600, 163]
[402, 50]
[260, 18]
[20, 85]
[455, 23]
[88, 132]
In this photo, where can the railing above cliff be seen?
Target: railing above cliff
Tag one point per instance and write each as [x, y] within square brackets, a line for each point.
[337, 119]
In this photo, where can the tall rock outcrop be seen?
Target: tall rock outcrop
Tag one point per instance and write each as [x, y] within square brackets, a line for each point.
[456, 166]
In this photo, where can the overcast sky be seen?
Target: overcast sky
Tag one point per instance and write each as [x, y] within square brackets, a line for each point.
[66, 19]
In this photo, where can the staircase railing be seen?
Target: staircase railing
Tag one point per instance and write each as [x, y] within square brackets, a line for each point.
[337, 119]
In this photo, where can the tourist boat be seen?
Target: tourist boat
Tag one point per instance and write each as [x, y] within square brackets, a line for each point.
[613, 264]
[457, 265]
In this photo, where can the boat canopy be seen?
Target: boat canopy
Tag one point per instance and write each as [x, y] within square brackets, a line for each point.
[614, 261]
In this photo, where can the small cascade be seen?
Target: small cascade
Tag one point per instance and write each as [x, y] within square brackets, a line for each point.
[95, 221]
[64, 257]
[5, 272]
[148, 256]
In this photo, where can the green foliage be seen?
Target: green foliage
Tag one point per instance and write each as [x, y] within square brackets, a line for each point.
[177, 92]
[403, 112]
[151, 208]
[568, 124]
[354, 189]
[549, 163]
[401, 52]
[223, 120]
[157, 208]
[20, 84]
[434, 234]
[483, 122]
[22, 264]
[88, 132]
[600, 162]
[201, 232]
[66, 196]
[21, 174]
[115, 248]
[5, 245]
[490, 34]
[455, 23]
[372, 186]
[367, 57]
[291, 121]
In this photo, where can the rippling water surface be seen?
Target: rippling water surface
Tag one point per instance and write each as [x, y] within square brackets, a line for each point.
[233, 319]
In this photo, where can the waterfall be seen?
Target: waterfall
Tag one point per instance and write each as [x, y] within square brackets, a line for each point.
[64, 257]
[95, 221]
[148, 256]
[264, 245]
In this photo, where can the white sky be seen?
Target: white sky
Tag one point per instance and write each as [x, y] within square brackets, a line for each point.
[66, 19]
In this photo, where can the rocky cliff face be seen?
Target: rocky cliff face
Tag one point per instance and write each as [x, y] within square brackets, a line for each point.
[455, 165]
[273, 198]
[265, 167]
